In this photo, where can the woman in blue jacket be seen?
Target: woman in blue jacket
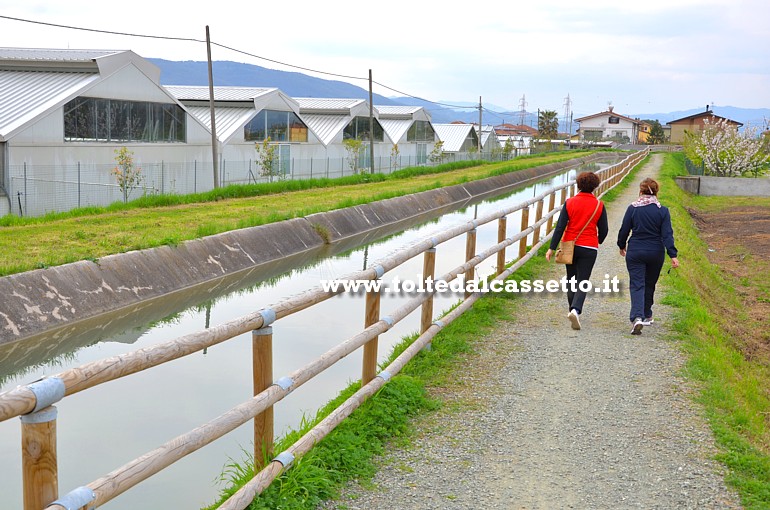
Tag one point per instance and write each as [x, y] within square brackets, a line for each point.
[652, 237]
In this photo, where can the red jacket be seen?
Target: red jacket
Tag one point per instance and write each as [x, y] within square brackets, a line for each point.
[579, 209]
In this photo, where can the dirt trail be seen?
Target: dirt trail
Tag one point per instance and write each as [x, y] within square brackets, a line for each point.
[555, 418]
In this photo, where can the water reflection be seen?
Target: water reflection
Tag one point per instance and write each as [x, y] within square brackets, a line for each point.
[128, 417]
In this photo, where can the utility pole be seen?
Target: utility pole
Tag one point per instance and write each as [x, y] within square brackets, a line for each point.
[371, 126]
[479, 128]
[214, 154]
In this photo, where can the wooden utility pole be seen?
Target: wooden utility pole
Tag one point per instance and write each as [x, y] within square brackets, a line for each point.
[479, 128]
[371, 126]
[214, 154]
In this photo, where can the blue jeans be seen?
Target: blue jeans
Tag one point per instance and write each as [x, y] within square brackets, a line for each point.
[583, 261]
[643, 273]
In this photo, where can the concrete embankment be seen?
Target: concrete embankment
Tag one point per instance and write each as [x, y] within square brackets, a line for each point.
[58, 301]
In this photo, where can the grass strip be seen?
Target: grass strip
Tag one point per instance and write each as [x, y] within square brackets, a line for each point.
[733, 390]
[348, 452]
[91, 233]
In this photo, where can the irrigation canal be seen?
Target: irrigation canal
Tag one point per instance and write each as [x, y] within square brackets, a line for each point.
[103, 428]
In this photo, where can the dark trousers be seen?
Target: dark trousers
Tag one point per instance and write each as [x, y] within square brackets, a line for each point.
[583, 261]
[643, 273]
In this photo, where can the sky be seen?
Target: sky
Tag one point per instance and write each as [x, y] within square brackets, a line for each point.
[649, 56]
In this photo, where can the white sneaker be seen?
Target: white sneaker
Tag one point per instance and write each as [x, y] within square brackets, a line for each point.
[574, 319]
[636, 329]
[648, 321]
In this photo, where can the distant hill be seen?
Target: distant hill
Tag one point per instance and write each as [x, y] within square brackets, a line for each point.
[234, 74]
[227, 73]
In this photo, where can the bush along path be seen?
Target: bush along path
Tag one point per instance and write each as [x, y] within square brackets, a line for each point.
[542, 416]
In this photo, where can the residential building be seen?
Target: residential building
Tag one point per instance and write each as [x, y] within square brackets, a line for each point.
[608, 125]
[694, 123]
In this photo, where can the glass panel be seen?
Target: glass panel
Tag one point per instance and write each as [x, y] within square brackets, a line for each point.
[255, 131]
[119, 115]
[297, 129]
[139, 119]
[277, 126]
[80, 119]
[102, 119]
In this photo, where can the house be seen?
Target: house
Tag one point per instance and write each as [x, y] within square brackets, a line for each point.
[65, 113]
[644, 132]
[410, 128]
[518, 136]
[608, 125]
[457, 139]
[694, 123]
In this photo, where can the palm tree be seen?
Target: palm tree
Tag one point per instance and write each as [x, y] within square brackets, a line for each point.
[547, 125]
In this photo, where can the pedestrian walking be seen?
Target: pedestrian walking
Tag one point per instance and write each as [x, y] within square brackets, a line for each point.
[584, 220]
[652, 237]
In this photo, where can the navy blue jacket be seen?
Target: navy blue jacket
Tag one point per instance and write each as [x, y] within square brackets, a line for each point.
[650, 229]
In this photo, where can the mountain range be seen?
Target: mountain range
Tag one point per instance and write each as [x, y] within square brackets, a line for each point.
[295, 84]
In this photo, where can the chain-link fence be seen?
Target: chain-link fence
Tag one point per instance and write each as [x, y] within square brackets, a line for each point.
[34, 190]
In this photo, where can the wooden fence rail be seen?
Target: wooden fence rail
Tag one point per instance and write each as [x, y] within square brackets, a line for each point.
[34, 402]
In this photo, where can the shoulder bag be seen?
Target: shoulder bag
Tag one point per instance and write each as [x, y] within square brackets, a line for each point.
[567, 248]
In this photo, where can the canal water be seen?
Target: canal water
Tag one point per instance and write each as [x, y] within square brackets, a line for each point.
[102, 428]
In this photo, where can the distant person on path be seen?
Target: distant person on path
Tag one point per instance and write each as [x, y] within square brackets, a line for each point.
[587, 213]
[649, 224]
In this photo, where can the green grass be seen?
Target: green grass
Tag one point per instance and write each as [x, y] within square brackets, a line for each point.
[348, 452]
[733, 390]
[92, 233]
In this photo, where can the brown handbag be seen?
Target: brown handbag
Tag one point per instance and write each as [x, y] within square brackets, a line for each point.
[567, 248]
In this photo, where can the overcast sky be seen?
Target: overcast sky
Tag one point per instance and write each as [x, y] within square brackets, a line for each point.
[648, 56]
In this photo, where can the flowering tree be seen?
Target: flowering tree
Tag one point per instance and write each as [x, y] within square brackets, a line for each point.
[725, 152]
[127, 174]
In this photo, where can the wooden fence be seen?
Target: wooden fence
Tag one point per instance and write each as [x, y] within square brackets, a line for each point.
[35, 402]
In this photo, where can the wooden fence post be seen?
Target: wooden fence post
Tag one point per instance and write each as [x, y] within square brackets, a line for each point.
[470, 252]
[39, 466]
[369, 370]
[551, 206]
[428, 271]
[524, 226]
[502, 229]
[262, 377]
[538, 217]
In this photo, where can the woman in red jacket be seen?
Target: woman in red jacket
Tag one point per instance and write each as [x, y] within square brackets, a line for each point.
[587, 213]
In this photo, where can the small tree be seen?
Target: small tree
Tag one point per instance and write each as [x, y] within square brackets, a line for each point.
[724, 151]
[267, 155]
[354, 148]
[395, 157]
[437, 154]
[508, 148]
[127, 174]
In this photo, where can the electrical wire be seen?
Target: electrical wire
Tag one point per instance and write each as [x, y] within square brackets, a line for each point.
[223, 46]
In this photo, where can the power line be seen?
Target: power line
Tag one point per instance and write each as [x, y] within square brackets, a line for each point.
[337, 75]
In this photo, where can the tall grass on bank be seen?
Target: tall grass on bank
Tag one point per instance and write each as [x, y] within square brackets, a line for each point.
[733, 390]
[348, 452]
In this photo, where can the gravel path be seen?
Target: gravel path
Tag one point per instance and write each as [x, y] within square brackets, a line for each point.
[548, 418]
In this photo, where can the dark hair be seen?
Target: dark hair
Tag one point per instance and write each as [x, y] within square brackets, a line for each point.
[587, 182]
[648, 187]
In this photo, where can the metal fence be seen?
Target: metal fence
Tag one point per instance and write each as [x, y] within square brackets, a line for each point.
[35, 190]
[692, 168]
